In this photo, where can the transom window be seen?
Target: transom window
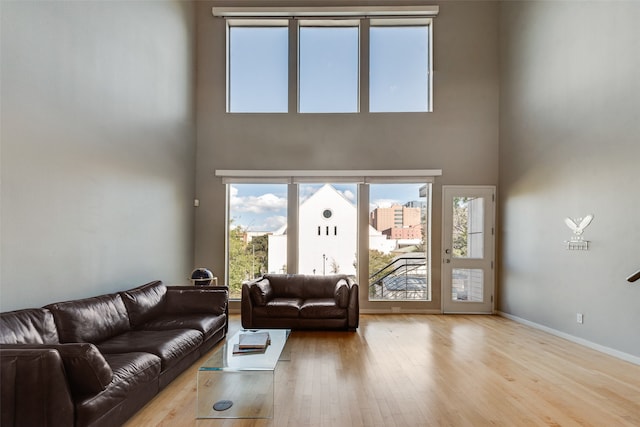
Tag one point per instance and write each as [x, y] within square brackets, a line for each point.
[326, 67]
[262, 47]
[328, 64]
[399, 66]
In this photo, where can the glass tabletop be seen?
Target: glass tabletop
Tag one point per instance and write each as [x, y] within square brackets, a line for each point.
[225, 360]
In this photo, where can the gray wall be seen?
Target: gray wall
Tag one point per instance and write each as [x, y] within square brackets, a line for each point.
[569, 146]
[98, 142]
[460, 136]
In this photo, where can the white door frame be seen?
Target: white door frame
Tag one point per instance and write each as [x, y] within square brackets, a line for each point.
[486, 262]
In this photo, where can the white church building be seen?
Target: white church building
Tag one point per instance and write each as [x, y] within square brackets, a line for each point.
[327, 236]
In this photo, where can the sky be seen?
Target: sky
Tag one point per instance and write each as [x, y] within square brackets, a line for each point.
[263, 207]
[328, 69]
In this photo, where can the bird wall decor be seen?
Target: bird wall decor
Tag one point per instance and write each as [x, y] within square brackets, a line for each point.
[578, 225]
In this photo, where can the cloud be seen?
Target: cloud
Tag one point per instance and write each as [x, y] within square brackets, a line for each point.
[384, 203]
[256, 204]
[268, 224]
[273, 223]
[349, 195]
[306, 191]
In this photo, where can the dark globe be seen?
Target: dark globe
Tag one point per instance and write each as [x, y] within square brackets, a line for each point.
[201, 277]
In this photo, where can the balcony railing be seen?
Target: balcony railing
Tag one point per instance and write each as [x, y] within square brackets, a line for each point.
[404, 278]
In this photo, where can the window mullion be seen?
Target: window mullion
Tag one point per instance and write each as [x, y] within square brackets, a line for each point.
[293, 66]
[292, 228]
[364, 66]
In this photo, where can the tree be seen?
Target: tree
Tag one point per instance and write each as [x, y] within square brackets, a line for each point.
[378, 260]
[259, 247]
[335, 267]
[460, 226]
[239, 261]
[247, 260]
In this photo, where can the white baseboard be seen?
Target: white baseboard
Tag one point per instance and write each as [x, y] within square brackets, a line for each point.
[607, 350]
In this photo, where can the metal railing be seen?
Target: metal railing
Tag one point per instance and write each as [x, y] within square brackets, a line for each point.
[403, 278]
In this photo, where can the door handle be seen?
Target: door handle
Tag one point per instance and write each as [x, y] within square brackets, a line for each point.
[447, 251]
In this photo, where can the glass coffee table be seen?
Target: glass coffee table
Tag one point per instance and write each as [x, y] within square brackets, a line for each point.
[241, 385]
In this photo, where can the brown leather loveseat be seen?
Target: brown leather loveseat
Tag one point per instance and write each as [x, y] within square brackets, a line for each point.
[298, 301]
[96, 361]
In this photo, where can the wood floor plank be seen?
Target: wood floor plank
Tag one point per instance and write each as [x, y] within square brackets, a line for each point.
[428, 370]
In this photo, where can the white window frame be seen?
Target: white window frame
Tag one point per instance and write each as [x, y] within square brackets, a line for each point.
[295, 177]
[380, 15]
[410, 22]
[256, 23]
[328, 23]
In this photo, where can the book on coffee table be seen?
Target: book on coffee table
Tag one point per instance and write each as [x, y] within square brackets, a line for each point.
[237, 350]
[254, 340]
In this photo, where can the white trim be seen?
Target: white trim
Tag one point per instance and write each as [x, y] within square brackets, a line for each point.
[302, 23]
[331, 179]
[256, 23]
[325, 11]
[248, 180]
[400, 22]
[269, 173]
[413, 179]
[603, 349]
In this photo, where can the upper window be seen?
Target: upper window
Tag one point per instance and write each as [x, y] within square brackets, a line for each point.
[328, 64]
[258, 75]
[399, 71]
[325, 66]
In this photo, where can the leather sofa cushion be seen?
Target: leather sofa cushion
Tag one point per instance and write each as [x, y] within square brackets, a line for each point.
[286, 285]
[90, 320]
[303, 285]
[29, 326]
[87, 369]
[191, 299]
[320, 286]
[130, 371]
[144, 302]
[280, 307]
[261, 292]
[322, 308]
[342, 293]
[208, 324]
[170, 345]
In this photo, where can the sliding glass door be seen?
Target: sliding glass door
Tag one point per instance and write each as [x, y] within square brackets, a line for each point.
[373, 228]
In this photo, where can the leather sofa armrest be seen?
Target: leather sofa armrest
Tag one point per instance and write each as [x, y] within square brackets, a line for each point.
[246, 307]
[34, 390]
[341, 293]
[85, 367]
[353, 309]
[257, 292]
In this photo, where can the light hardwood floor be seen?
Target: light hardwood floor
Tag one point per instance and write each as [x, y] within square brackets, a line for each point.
[429, 370]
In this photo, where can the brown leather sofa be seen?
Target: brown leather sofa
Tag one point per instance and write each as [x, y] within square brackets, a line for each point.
[298, 301]
[96, 361]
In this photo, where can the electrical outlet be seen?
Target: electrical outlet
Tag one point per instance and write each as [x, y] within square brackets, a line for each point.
[579, 318]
